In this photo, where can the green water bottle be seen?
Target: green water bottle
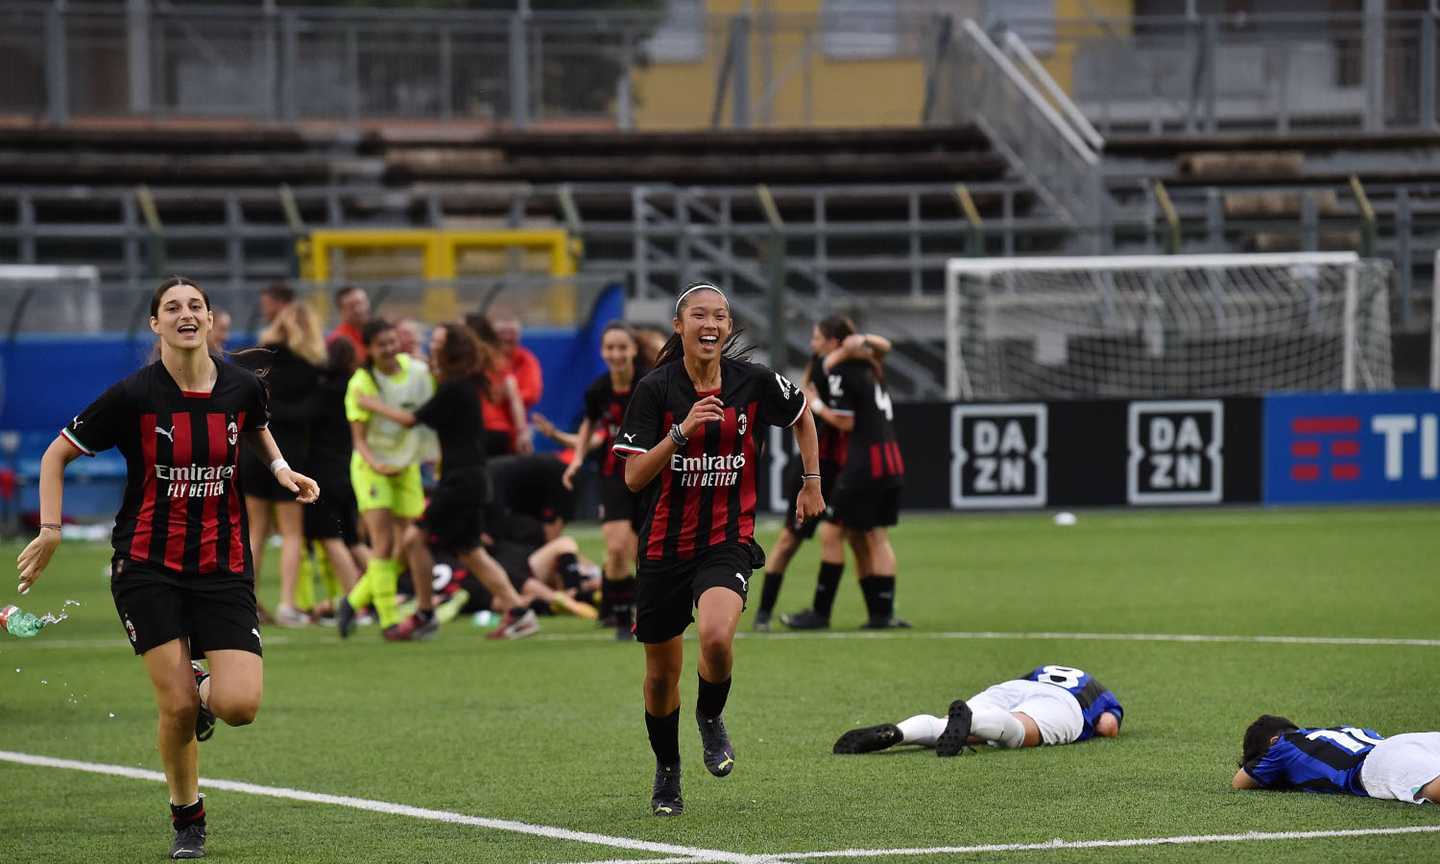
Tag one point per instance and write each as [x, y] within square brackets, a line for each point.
[18, 622]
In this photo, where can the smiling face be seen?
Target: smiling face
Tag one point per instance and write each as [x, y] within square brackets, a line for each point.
[383, 348]
[183, 319]
[704, 324]
[617, 349]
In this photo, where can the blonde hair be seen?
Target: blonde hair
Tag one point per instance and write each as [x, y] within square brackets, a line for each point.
[297, 328]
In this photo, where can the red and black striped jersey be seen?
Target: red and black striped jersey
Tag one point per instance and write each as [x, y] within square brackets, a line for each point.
[706, 495]
[873, 457]
[605, 409]
[183, 508]
[833, 441]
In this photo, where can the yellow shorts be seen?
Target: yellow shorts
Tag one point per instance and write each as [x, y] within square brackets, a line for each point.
[401, 493]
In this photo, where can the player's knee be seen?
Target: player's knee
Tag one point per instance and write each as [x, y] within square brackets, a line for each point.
[237, 711]
[178, 706]
[716, 649]
[660, 685]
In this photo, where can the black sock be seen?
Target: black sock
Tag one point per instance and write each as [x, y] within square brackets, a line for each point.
[425, 614]
[826, 585]
[711, 701]
[879, 596]
[771, 592]
[622, 597]
[569, 568]
[190, 814]
[664, 737]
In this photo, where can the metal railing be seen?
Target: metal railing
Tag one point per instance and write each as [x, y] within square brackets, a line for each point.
[985, 87]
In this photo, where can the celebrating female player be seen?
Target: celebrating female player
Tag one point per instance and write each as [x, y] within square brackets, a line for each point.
[182, 575]
[455, 516]
[605, 402]
[693, 436]
[385, 469]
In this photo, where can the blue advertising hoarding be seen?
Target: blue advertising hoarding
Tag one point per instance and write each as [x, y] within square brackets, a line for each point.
[1346, 447]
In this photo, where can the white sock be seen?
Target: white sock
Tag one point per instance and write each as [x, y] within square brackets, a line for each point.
[922, 729]
[1001, 727]
[204, 691]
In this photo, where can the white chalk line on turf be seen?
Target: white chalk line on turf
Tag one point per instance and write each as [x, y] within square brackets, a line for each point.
[689, 853]
[1359, 641]
[1182, 840]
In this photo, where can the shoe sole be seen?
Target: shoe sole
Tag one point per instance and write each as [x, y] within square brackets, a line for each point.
[953, 740]
[868, 740]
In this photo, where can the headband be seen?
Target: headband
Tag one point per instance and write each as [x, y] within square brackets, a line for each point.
[698, 286]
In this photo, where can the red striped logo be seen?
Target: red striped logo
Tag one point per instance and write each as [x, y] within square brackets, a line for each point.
[720, 509]
[690, 519]
[236, 508]
[747, 478]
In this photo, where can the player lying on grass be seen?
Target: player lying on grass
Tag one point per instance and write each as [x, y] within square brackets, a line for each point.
[1339, 760]
[1051, 705]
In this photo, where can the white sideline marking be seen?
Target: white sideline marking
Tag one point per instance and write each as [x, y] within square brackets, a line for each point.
[1047, 635]
[690, 853]
[1182, 840]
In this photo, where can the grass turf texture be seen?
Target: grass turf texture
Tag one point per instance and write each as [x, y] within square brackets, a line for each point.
[549, 730]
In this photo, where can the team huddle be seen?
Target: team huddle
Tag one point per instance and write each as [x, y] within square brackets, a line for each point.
[679, 440]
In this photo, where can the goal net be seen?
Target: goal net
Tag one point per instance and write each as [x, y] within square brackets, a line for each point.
[1171, 325]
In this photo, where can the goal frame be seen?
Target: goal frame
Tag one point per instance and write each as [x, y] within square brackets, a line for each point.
[957, 383]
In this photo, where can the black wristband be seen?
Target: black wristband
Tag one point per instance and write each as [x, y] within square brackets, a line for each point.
[677, 436]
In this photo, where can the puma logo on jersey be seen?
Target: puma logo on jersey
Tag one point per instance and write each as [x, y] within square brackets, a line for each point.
[630, 437]
[256, 631]
[170, 434]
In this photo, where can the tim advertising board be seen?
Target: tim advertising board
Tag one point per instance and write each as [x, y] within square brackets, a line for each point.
[1352, 447]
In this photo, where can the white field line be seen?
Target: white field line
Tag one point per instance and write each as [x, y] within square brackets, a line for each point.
[1182, 840]
[689, 853]
[1357, 641]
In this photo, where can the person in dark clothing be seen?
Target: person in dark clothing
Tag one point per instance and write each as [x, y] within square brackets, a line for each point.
[333, 520]
[298, 350]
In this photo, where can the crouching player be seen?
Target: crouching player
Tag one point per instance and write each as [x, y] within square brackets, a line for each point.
[1340, 760]
[1051, 705]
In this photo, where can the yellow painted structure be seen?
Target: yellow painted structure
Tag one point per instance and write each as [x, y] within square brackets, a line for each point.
[440, 256]
[843, 91]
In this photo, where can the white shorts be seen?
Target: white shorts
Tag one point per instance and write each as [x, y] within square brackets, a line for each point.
[1052, 708]
[1401, 765]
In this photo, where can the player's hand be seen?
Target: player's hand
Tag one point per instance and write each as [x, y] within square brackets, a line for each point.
[809, 503]
[707, 410]
[568, 478]
[385, 470]
[305, 489]
[34, 558]
[525, 441]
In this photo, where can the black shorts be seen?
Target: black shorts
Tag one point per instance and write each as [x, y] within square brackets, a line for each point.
[667, 593]
[861, 509]
[455, 516]
[334, 514]
[828, 473]
[215, 612]
[617, 502]
[514, 559]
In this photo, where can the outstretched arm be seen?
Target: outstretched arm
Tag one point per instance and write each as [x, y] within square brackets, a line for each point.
[35, 557]
[390, 412]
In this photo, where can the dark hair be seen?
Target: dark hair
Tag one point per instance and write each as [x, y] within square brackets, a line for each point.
[674, 347]
[1259, 733]
[835, 327]
[620, 326]
[373, 328]
[279, 292]
[341, 357]
[344, 290]
[459, 356]
[171, 283]
[482, 328]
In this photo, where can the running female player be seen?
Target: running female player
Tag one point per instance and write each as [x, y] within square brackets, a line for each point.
[693, 436]
[605, 402]
[182, 575]
[385, 469]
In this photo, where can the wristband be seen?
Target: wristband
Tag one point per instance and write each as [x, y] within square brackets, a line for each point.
[817, 404]
[677, 436]
[54, 526]
[804, 477]
[278, 464]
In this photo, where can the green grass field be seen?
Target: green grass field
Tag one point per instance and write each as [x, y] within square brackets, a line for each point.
[549, 731]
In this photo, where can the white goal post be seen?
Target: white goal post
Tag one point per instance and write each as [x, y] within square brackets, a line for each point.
[1166, 325]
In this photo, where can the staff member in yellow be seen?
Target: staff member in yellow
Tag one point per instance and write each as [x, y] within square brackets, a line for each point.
[385, 468]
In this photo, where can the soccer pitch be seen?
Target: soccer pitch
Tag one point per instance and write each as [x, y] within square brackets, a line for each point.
[535, 751]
